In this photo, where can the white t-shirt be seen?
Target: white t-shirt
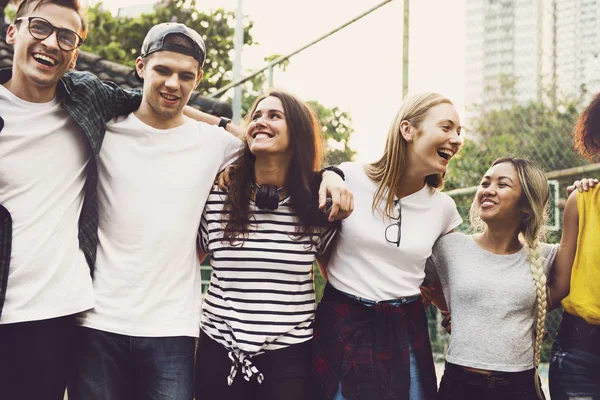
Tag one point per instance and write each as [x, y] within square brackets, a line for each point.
[43, 159]
[364, 263]
[153, 185]
[492, 298]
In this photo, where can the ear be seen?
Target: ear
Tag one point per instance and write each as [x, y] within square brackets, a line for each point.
[200, 74]
[139, 66]
[11, 33]
[74, 60]
[406, 130]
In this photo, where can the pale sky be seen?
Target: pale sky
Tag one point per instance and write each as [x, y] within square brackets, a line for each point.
[358, 69]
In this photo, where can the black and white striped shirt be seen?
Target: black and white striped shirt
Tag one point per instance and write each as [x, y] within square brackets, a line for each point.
[261, 295]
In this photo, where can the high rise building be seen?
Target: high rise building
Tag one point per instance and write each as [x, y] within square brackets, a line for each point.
[510, 52]
[577, 48]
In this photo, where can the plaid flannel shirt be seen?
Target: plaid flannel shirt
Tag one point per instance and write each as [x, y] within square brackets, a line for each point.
[91, 103]
[366, 349]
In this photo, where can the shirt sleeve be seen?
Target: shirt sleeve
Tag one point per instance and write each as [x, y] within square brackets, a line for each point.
[203, 233]
[120, 101]
[452, 218]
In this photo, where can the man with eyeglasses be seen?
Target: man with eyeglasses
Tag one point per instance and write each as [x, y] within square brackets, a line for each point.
[51, 128]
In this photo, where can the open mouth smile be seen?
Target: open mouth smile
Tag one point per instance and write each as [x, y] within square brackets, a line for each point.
[262, 135]
[45, 59]
[446, 154]
[169, 97]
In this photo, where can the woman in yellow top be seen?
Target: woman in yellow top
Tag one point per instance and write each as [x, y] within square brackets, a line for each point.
[575, 366]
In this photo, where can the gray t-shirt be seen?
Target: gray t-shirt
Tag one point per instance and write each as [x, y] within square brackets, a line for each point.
[492, 301]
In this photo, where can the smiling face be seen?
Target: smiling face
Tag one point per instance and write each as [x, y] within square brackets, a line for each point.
[435, 142]
[39, 64]
[169, 79]
[499, 194]
[268, 133]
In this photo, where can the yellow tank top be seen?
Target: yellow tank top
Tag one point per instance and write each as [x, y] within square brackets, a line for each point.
[584, 298]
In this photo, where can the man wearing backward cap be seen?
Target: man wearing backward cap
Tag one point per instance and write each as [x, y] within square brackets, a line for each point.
[156, 169]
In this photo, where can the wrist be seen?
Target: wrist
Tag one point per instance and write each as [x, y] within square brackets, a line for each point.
[335, 170]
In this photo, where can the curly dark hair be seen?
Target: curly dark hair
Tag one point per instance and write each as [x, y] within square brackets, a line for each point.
[303, 178]
[587, 131]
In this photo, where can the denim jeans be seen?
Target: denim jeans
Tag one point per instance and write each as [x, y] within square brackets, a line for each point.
[416, 387]
[460, 384]
[120, 367]
[575, 365]
[35, 358]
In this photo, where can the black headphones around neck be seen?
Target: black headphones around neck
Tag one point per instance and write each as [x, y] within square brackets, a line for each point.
[267, 196]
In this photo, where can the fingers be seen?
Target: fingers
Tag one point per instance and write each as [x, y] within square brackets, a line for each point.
[447, 321]
[322, 197]
[335, 205]
[224, 178]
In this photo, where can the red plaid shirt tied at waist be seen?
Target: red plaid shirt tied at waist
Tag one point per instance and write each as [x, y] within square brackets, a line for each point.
[366, 347]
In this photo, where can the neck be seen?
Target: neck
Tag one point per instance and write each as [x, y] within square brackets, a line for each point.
[29, 91]
[409, 184]
[149, 117]
[499, 239]
[271, 170]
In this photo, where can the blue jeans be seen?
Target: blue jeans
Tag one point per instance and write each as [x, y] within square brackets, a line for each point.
[416, 386]
[575, 365]
[120, 367]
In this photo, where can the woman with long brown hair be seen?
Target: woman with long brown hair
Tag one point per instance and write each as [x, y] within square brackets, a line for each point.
[263, 236]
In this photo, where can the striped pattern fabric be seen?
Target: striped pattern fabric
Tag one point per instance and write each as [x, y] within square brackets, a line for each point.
[261, 295]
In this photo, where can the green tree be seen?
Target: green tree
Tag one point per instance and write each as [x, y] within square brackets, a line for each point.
[119, 39]
[533, 130]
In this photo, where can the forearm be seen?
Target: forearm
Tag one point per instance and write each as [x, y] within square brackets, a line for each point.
[198, 115]
[559, 285]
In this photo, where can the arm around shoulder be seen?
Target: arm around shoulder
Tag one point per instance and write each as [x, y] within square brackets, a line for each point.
[236, 130]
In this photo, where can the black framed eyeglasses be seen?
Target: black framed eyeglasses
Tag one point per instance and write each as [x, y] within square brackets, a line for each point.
[393, 232]
[40, 29]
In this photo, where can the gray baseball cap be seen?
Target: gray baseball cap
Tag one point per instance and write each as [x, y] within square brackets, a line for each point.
[155, 41]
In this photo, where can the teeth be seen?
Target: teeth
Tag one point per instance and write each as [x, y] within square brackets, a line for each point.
[44, 58]
[487, 203]
[261, 136]
[169, 97]
[447, 152]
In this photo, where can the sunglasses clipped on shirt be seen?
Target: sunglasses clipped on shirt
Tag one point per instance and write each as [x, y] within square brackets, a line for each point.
[393, 232]
[40, 29]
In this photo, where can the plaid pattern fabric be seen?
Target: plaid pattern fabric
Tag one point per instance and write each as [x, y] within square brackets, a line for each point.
[91, 103]
[367, 349]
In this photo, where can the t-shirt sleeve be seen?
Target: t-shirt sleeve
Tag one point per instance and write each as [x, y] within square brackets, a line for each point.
[452, 218]
[549, 252]
[203, 233]
[326, 238]
[232, 146]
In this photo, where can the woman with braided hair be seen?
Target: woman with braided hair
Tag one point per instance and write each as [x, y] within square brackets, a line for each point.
[498, 286]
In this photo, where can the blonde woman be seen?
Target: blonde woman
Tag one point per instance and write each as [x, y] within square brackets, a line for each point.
[370, 333]
[497, 288]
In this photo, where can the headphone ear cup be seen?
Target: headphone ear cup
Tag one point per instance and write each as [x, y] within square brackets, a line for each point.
[267, 197]
[272, 197]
